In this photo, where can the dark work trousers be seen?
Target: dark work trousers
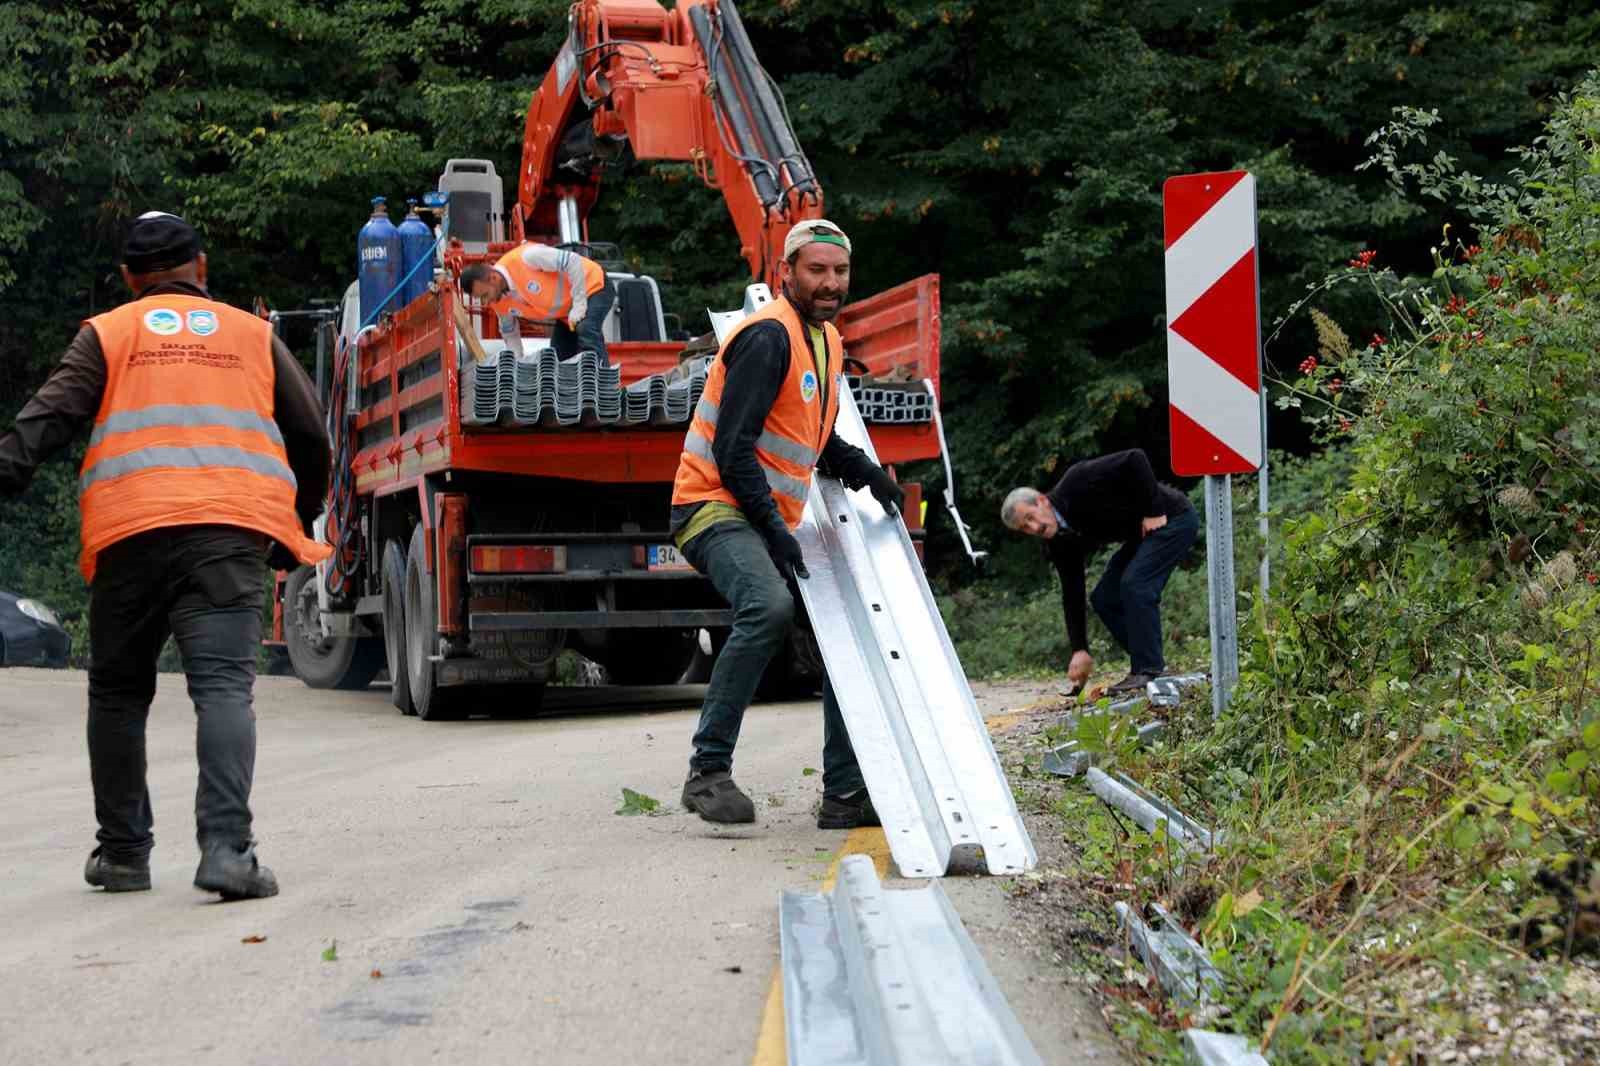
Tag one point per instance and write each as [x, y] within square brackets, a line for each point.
[1128, 597]
[590, 335]
[203, 586]
[734, 556]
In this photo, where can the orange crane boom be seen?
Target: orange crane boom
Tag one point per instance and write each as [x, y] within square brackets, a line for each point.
[635, 78]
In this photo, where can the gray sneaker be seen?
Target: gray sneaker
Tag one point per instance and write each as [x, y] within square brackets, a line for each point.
[234, 872]
[713, 796]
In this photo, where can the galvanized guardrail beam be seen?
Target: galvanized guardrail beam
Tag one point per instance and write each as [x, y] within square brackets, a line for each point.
[1179, 964]
[1202, 1047]
[879, 978]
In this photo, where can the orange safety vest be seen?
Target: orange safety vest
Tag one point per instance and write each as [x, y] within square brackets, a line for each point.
[184, 435]
[795, 431]
[542, 294]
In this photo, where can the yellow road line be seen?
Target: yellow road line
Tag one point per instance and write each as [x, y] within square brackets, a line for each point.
[772, 1041]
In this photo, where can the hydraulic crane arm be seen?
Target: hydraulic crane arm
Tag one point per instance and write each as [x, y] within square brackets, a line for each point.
[635, 80]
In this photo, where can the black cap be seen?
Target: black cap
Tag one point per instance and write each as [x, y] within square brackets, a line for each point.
[159, 241]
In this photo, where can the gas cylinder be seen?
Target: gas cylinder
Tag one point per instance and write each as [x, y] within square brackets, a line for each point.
[416, 245]
[378, 262]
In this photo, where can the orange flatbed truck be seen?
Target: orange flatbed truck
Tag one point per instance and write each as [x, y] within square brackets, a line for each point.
[472, 548]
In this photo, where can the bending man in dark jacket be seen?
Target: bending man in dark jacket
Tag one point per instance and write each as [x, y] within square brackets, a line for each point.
[1109, 500]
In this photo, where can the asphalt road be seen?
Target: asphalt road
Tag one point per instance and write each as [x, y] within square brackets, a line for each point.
[485, 903]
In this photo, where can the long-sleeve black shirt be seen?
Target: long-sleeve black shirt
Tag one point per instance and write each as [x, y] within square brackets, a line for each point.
[757, 364]
[1102, 501]
[71, 397]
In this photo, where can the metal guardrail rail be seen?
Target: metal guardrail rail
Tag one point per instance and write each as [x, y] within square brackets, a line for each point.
[876, 978]
[923, 746]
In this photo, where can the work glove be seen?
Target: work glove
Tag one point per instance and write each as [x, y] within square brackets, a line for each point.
[785, 552]
[281, 558]
[889, 495]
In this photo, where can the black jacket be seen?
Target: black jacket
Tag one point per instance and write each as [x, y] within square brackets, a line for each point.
[1102, 501]
[757, 364]
[70, 398]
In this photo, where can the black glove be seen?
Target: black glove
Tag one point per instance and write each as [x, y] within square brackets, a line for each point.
[889, 495]
[281, 558]
[785, 552]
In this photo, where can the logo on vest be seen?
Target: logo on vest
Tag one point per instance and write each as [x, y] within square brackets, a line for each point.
[533, 287]
[808, 386]
[163, 322]
[202, 323]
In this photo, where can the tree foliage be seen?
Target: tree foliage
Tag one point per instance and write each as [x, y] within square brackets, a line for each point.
[1016, 149]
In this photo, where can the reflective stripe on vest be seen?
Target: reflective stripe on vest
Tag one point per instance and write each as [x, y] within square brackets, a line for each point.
[782, 447]
[203, 456]
[777, 481]
[187, 416]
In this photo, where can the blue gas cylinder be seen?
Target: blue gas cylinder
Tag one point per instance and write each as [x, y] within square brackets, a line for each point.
[378, 263]
[416, 245]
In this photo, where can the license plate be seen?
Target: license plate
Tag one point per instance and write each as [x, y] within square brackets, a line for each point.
[667, 557]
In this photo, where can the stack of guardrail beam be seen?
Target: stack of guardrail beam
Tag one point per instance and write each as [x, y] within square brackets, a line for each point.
[891, 402]
[540, 390]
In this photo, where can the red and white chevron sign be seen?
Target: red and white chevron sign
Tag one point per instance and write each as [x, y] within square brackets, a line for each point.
[1213, 323]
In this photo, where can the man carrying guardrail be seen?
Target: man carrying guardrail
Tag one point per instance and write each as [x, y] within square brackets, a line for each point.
[764, 423]
[1114, 499]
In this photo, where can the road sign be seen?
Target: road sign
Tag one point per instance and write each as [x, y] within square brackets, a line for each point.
[1213, 323]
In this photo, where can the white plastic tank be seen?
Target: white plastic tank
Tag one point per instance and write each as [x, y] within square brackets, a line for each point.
[477, 203]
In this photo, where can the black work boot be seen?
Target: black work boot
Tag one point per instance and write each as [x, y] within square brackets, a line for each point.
[234, 872]
[847, 812]
[713, 796]
[114, 876]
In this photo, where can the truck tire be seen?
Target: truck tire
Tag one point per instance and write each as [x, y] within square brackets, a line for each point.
[432, 703]
[394, 626]
[650, 656]
[324, 662]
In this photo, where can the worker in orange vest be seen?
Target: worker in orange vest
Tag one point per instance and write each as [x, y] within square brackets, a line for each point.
[208, 456]
[764, 423]
[544, 284]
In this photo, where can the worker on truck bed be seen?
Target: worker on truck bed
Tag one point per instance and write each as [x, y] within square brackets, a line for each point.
[765, 421]
[1114, 499]
[544, 284]
[208, 456]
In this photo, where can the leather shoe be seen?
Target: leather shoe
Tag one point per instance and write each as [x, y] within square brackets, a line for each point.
[115, 876]
[234, 872]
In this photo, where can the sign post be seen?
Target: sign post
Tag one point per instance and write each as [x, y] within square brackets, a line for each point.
[1216, 412]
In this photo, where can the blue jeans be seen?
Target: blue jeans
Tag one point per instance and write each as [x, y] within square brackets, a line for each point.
[589, 336]
[734, 556]
[1128, 597]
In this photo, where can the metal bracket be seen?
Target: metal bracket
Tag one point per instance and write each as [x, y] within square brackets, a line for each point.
[977, 557]
[1178, 963]
[1150, 810]
[875, 978]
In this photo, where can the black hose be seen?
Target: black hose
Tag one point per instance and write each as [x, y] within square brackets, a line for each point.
[770, 116]
[763, 174]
